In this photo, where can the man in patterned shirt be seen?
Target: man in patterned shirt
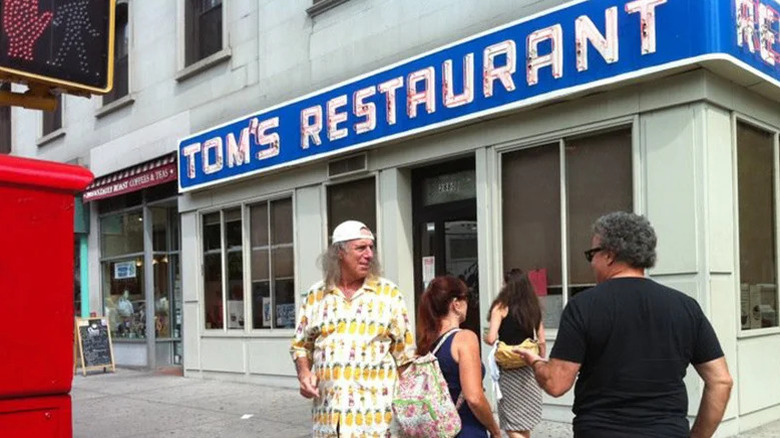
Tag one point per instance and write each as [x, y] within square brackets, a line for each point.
[352, 336]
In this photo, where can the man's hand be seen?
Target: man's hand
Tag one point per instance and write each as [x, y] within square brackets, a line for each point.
[308, 382]
[528, 356]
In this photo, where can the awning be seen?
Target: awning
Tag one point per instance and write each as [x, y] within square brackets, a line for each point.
[151, 173]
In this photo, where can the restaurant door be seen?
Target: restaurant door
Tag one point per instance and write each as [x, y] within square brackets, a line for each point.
[445, 229]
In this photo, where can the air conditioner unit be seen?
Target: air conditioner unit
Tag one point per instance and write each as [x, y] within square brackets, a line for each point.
[348, 166]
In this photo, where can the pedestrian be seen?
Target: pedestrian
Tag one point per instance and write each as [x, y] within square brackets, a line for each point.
[443, 307]
[515, 316]
[352, 335]
[631, 341]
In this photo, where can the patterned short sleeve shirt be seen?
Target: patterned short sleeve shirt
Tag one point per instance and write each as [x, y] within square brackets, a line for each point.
[355, 347]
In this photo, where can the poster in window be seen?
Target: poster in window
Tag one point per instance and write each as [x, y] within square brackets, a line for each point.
[428, 269]
[266, 311]
[235, 314]
[285, 315]
[124, 270]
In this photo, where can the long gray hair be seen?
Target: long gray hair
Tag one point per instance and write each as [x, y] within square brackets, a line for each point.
[331, 264]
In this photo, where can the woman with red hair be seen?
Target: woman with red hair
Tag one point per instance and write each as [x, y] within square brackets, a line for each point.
[442, 309]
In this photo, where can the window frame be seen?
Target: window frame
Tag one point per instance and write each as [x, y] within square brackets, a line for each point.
[736, 119]
[104, 108]
[184, 70]
[560, 137]
[47, 137]
[246, 249]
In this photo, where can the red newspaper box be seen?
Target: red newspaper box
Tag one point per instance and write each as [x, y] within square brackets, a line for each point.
[36, 281]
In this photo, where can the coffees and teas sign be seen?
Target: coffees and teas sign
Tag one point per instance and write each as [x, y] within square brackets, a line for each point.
[579, 46]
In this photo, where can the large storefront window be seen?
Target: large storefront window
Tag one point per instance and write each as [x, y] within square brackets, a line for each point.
[123, 255]
[756, 179]
[596, 171]
[273, 282]
[121, 240]
[271, 261]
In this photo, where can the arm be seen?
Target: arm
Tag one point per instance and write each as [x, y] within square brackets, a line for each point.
[556, 376]
[402, 347]
[306, 379]
[542, 340]
[466, 354]
[301, 350]
[496, 316]
[717, 389]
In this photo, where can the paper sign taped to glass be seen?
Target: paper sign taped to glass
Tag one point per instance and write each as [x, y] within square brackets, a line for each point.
[538, 279]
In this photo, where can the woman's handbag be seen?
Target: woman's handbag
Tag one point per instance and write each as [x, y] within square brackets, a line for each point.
[507, 358]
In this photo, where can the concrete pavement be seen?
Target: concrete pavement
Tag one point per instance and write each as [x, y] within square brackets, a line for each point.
[134, 404]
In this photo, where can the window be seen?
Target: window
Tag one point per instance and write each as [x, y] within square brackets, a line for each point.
[352, 200]
[122, 254]
[167, 278]
[271, 261]
[121, 49]
[533, 203]
[121, 249]
[756, 179]
[203, 29]
[52, 120]
[273, 282]
[5, 123]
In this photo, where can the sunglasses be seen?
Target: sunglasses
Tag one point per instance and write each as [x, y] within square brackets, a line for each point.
[592, 252]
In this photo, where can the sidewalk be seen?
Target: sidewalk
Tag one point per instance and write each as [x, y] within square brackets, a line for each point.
[143, 404]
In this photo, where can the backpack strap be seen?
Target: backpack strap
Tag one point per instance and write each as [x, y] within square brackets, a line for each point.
[444, 338]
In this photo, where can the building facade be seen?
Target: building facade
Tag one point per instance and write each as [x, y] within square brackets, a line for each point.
[472, 139]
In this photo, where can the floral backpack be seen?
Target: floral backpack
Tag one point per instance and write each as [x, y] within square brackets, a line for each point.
[423, 407]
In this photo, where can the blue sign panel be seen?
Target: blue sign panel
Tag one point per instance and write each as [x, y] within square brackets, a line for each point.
[579, 46]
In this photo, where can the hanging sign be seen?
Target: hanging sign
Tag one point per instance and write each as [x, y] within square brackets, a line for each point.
[574, 48]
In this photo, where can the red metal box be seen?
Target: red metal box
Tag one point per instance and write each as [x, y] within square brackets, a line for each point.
[36, 275]
[36, 417]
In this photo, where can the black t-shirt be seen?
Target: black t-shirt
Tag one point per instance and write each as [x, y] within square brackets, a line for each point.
[634, 339]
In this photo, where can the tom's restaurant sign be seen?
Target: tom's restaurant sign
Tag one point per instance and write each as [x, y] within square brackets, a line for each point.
[575, 47]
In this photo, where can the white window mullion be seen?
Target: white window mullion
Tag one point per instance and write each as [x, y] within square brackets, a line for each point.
[564, 227]
[223, 258]
[271, 285]
[776, 198]
[246, 273]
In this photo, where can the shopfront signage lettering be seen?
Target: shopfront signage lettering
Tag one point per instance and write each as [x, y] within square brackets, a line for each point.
[574, 48]
[129, 184]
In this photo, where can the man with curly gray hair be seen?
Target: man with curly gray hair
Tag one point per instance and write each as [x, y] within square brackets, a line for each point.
[631, 340]
[352, 336]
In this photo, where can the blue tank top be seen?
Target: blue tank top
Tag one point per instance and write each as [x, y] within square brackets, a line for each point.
[471, 426]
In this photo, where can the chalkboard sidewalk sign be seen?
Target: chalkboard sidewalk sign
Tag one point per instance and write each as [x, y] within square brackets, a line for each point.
[93, 342]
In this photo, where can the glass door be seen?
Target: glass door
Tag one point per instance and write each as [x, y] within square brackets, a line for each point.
[445, 211]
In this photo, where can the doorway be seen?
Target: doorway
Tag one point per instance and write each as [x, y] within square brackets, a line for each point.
[445, 229]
